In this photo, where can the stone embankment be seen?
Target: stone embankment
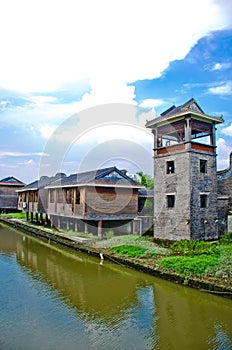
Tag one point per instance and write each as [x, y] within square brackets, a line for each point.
[210, 285]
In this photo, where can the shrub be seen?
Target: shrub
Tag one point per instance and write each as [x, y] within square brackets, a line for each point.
[227, 239]
[193, 247]
[185, 265]
[129, 250]
[109, 234]
[224, 266]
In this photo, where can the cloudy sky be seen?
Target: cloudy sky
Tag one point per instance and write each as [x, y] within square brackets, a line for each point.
[79, 79]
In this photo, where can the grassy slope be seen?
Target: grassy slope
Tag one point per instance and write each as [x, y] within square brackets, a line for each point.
[185, 258]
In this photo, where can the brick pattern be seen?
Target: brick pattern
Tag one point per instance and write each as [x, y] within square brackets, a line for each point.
[187, 220]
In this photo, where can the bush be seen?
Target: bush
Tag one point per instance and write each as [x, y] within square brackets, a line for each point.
[193, 247]
[224, 266]
[195, 265]
[109, 234]
[129, 250]
[227, 239]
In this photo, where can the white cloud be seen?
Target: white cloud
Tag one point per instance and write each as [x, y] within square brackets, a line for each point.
[42, 100]
[46, 131]
[119, 132]
[223, 150]
[221, 66]
[227, 131]
[223, 89]
[20, 154]
[151, 103]
[48, 43]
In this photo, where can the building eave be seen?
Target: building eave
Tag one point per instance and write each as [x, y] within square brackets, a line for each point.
[175, 117]
[93, 185]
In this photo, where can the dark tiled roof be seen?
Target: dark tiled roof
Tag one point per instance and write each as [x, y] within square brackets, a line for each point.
[185, 107]
[189, 106]
[108, 176]
[42, 182]
[11, 180]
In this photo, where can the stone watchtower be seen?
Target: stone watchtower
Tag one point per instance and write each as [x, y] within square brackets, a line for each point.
[185, 179]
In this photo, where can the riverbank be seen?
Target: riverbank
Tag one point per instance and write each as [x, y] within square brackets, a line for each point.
[148, 263]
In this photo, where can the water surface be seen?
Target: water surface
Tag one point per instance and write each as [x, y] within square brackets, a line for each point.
[55, 298]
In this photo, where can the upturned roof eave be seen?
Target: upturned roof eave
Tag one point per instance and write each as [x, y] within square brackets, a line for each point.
[175, 117]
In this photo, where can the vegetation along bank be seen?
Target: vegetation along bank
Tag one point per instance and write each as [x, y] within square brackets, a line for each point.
[203, 265]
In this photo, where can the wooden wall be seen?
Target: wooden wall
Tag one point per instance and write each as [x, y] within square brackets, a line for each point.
[107, 200]
[9, 197]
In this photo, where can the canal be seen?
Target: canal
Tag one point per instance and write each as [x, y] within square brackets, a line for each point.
[55, 298]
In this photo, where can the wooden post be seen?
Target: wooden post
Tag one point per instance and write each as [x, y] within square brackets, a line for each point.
[132, 227]
[99, 228]
[188, 131]
[75, 226]
[27, 215]
[86, 227]
[31, 216]
[52, 222]
[37, 217]
[135, 227]
[140, 227]
[74, 196]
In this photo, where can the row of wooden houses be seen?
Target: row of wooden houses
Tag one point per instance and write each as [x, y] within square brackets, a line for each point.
[92, 201]
[8, 194]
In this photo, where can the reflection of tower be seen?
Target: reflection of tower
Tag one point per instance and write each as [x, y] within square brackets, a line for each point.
[185, 194]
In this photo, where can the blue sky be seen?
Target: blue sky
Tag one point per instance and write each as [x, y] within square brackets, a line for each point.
[135, 59]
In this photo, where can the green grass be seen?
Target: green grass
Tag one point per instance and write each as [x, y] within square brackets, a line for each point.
[223, 268]
[193, 247]
[132, 251]
[187, 265]
[20, 215]
[200, 258]
[227, 239]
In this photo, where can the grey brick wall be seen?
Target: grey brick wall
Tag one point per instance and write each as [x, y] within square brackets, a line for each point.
[186, 220]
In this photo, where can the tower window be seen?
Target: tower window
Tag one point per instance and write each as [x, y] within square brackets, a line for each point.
[170, 167]
[170, 201]
[203, 166]
[203, 200]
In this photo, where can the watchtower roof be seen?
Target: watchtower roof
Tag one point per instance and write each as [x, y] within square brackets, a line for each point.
[176, 113]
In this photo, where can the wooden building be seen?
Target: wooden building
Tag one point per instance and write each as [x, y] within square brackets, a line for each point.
[8, 194]
[98, 199]
[33, 198]
[88, 201]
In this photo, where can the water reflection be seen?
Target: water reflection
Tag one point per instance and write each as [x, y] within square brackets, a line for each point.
[112, 307]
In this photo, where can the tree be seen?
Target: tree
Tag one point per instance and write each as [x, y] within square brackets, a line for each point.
[146, 180]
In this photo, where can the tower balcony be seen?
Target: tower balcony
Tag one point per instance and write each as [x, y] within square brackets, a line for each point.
[179, 147]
